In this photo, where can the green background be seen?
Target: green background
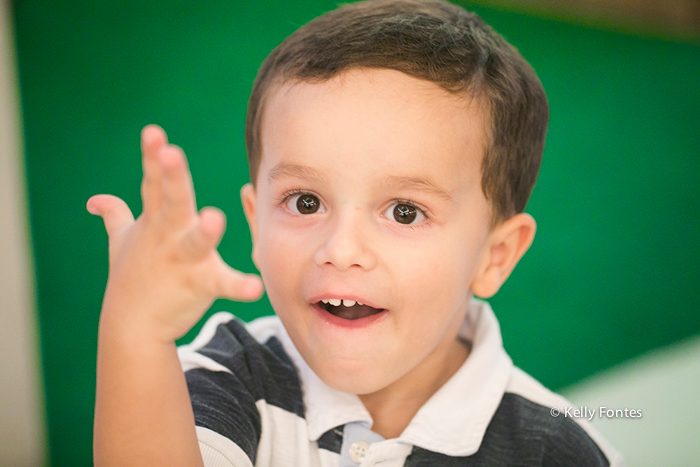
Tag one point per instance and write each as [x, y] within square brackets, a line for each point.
[614, 268]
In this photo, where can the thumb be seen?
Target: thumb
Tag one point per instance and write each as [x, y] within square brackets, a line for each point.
[235, 285]
[114, 212]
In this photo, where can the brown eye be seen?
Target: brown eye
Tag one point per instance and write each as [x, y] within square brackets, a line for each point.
[305, 203]
[405, 213]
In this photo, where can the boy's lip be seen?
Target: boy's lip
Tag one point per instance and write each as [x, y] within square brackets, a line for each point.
[348, 323]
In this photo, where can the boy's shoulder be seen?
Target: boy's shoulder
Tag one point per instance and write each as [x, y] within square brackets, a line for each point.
[565, 440]
[255, 398]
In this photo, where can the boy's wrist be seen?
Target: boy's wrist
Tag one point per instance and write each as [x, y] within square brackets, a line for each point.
[156, 315]
[133, 324]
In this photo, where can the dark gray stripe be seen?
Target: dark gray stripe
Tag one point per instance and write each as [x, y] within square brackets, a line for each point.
[332, 440]
[223, 404]
[522, 433]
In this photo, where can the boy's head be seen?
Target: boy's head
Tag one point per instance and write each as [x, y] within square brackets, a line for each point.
[393, 146]
[435, 41]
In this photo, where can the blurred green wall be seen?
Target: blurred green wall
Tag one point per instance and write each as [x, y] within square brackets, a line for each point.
[615, 265]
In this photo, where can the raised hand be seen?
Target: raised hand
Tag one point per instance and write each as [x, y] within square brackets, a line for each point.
[164, 270]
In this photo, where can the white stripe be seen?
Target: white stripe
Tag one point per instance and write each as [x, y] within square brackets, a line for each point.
[284, 440]
[219, 451]
[329, 458]
[191, 359]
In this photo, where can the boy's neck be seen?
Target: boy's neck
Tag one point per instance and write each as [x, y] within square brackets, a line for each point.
[393, 407]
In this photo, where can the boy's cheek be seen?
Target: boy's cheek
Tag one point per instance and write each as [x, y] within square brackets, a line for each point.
[276, 252]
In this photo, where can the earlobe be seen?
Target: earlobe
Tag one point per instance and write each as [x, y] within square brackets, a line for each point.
[508, 242]
[248, 200]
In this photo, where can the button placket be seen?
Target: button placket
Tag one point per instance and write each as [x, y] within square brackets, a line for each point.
[387, 454]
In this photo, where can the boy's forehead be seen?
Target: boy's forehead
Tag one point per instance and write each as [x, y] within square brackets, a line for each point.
[381, 108]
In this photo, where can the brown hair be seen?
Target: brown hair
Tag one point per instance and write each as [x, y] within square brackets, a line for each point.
[432, 40]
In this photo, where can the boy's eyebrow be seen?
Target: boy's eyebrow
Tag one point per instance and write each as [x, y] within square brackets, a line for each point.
[419, 184]
[285, 169]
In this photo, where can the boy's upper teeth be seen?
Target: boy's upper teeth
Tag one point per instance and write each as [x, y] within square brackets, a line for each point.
[338, 302]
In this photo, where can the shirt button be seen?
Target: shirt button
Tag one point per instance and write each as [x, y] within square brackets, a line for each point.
[358, 451]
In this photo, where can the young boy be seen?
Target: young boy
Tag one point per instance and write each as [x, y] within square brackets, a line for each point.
[392, 146]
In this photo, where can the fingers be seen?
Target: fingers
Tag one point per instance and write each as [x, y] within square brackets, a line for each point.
[206, 235]
[152, 139]
[227, 283]
[235, 285]
[167, 184]
[114, 212]
[178, 204]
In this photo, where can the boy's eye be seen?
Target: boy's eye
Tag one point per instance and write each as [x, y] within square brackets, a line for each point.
[305, 203]
[404, 213]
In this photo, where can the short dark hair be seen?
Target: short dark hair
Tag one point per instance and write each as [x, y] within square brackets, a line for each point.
[433, 40]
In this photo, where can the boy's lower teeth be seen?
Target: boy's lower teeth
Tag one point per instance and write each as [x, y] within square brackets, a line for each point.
[352, 312]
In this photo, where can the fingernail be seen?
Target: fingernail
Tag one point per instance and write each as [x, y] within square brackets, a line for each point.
[92, 210]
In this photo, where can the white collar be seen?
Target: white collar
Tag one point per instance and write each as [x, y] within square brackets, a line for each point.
[454, 419]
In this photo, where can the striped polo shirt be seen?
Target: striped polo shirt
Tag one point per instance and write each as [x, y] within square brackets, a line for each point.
[257, 403]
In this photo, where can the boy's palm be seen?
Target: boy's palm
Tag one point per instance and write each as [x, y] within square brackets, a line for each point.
[164, 268]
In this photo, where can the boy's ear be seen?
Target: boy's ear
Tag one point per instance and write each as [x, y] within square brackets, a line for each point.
[248, 199]
[507, 243]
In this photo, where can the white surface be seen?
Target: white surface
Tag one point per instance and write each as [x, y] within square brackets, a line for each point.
[663, 384]
[22, 431]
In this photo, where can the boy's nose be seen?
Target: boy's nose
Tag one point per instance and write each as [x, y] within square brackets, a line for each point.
[346, 244]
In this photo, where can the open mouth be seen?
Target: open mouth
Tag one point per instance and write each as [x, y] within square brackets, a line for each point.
[348, 309]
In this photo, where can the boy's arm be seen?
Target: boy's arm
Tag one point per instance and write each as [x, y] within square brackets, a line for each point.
[164, 274]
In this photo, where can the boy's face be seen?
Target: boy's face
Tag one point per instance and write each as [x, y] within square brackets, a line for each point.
[369, 190]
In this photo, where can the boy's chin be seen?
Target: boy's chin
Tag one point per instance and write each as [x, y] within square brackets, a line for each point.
[360, 381]
[360, 388]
